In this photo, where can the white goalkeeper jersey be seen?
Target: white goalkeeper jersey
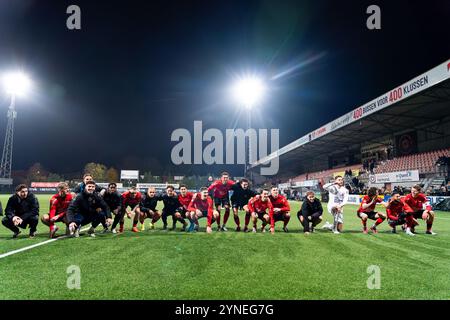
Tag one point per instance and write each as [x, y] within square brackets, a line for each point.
[337, 196]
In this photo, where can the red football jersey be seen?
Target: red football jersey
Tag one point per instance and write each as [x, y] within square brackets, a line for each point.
[127, 200]
[186, 200]
[220, 189]
[255, 204]
[366, 200]
[280, 202]
[415, 204]
[203, 205]
[59, 205]
[394, 209]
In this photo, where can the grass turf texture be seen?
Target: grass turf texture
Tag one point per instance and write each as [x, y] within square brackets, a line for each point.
[157, 264]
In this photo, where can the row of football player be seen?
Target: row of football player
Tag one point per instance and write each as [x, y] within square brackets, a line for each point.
[93, 205]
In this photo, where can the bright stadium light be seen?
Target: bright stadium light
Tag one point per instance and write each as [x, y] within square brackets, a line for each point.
[249, 91]
[16, 83]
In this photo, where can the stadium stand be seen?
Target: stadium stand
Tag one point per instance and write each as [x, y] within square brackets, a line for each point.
[424, 162]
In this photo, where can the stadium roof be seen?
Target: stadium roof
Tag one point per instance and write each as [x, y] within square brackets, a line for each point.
[414, 105]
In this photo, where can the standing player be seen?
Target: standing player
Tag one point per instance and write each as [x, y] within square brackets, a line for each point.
[147, 209]
[220, 190]
[239, 200]
[87, 207]
[258, 206]
[418, 206]
[396, 215]
[367, 210]
[201, 206]
[338, 197]
[22, 210]
[58, 209]
[80, 187]
[130, 198]
[310, 213]
[113, 200]
[281, 208]
[171, 208]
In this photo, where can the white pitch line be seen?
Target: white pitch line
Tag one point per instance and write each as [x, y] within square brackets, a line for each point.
[4, 255]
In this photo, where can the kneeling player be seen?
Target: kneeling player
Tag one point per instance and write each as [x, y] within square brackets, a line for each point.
[147, 209]
[239, 199]
[418, 206]
[396, 215]
[310, 213]
[171, 208]
[87, 207]
[130, 198]
[367, 210]
[58, 208]
[338, 197]
[185, 198]
[281, 208]
[201, 206]
[258, 206]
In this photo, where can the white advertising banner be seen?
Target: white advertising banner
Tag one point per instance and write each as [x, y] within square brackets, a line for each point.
[105, 184]
[398, 176]
[306, 183]
[129, 174]
[156, 185]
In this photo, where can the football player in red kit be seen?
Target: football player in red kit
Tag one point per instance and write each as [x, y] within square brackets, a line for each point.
[58, 209]
[220, 190]
[184, 198]
[418, 206]
[258, 206]
[367, 210]
[132, 199]
[396, 215]
[281, 207]
[201, 206]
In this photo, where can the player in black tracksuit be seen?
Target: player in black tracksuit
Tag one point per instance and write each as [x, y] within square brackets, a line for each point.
[113, 199]
[311, 212]
[239, 200]
[87, 207]
[22, 210]
[172, 207]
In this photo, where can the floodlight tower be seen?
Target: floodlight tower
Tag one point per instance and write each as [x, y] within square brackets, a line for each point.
[248, 92]
[15, 84]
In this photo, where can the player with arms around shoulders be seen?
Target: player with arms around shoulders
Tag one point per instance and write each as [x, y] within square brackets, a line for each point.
[281, 207]
[202, 206]
[258, 206]
[418, 206]
[147, 208]
[396, 214]
[338, 197]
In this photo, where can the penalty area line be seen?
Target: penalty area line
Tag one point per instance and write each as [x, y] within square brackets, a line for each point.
[10, 253]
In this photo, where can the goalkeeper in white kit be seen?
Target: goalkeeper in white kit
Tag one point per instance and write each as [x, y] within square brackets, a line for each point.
[338, 197]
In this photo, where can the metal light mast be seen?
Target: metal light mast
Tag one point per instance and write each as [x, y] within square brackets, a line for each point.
[5, 165]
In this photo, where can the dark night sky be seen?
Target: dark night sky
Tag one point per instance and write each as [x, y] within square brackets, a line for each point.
[114, 91]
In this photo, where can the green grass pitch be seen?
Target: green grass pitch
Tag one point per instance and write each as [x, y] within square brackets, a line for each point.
[174, 265]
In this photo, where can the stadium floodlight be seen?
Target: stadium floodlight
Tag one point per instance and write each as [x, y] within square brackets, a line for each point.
[16, 83]
[249, 91]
